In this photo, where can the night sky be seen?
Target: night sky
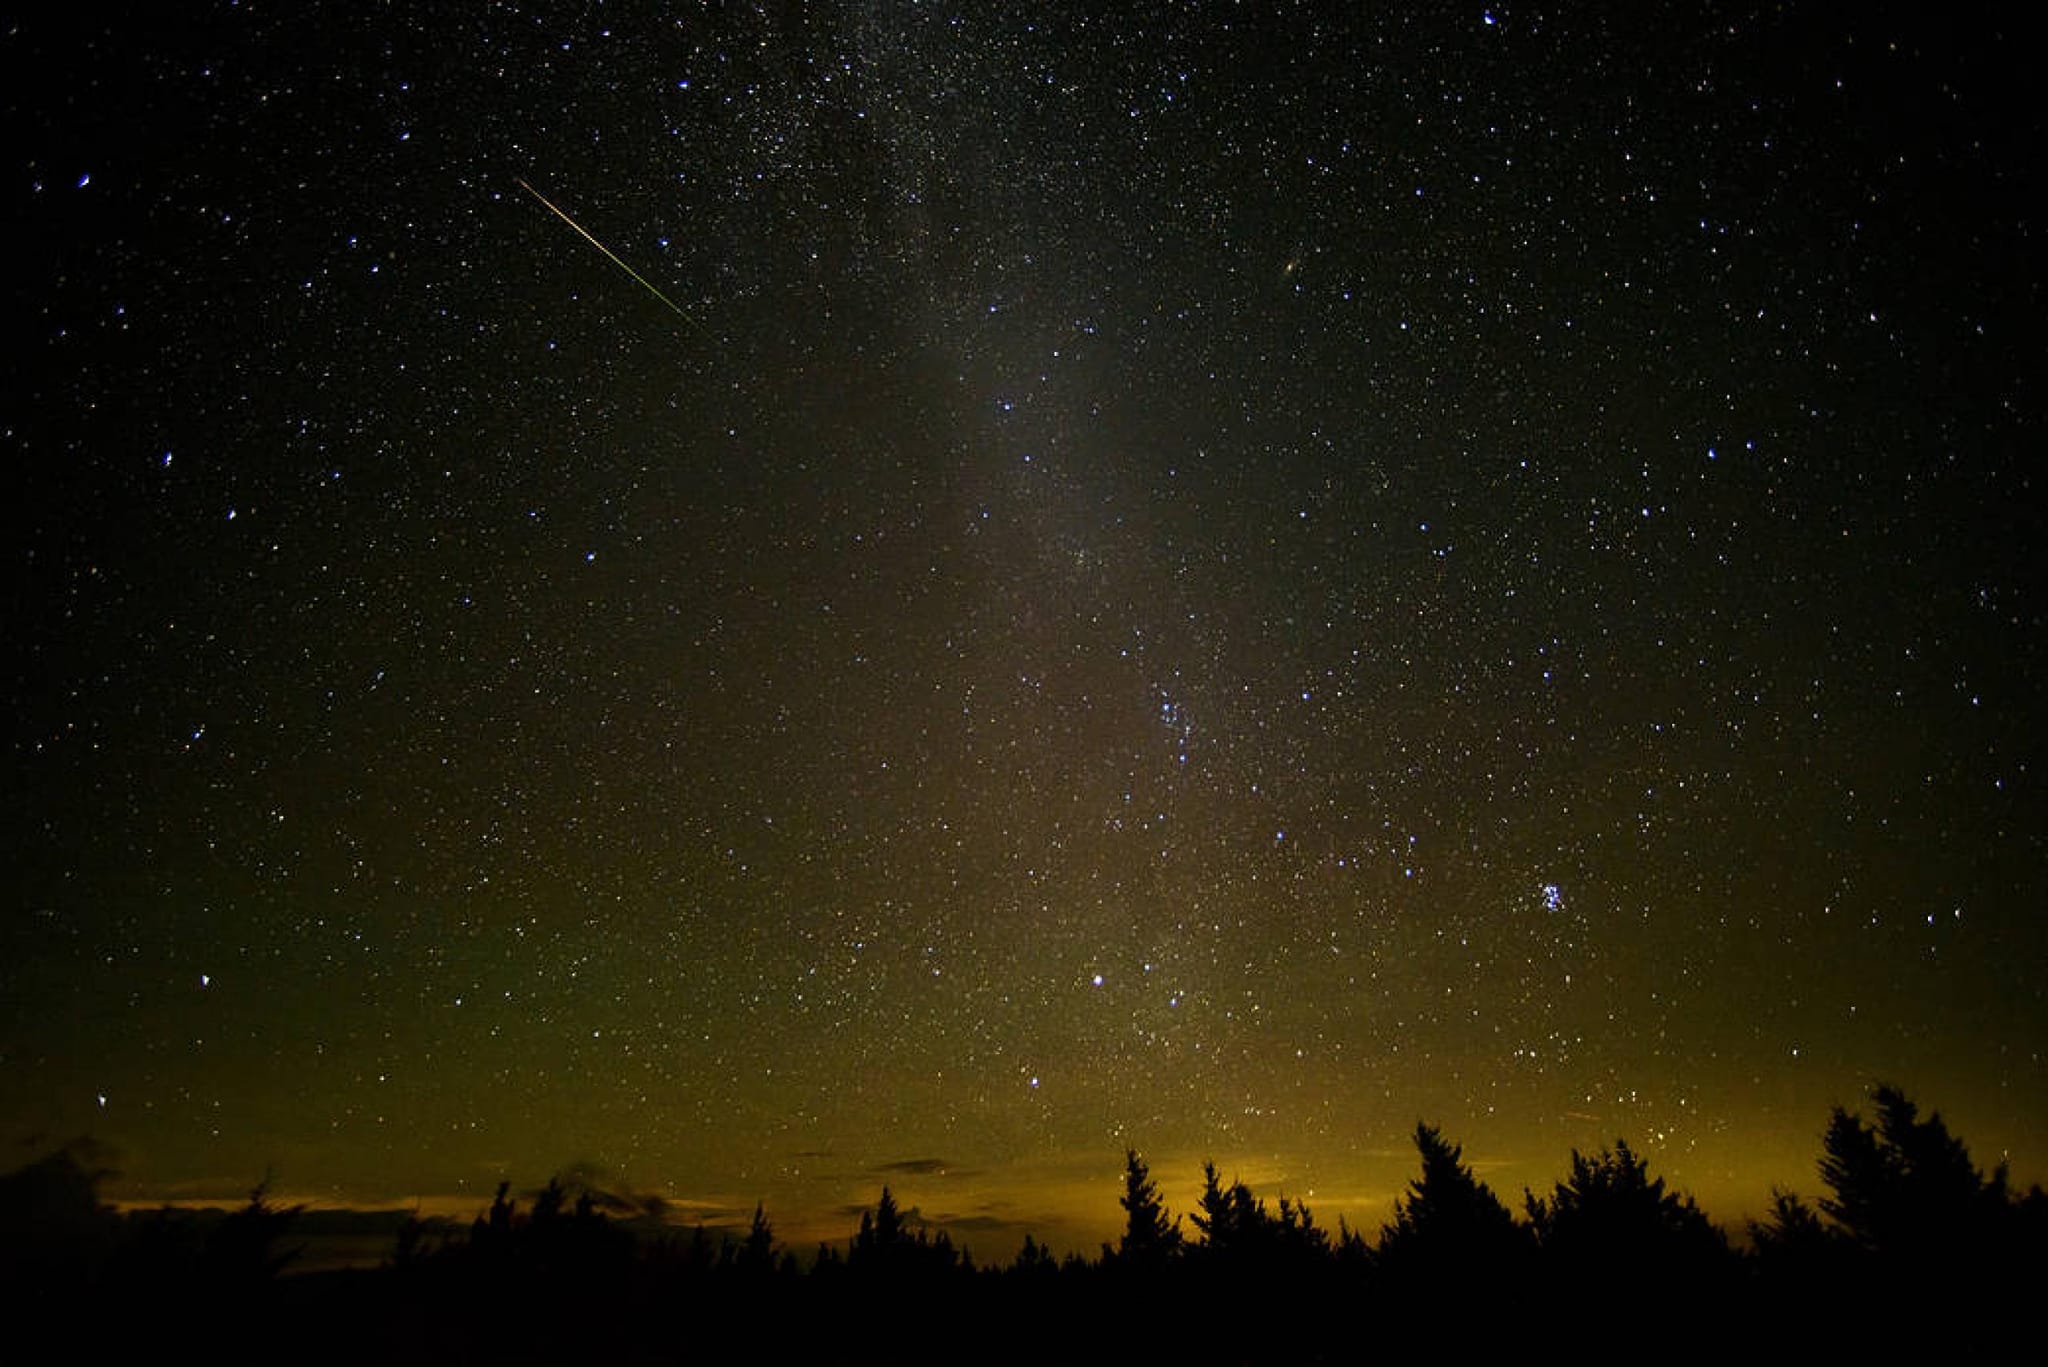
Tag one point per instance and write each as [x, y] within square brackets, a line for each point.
[1221, 578]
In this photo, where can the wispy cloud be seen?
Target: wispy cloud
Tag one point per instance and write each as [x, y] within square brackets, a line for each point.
[923, 1167]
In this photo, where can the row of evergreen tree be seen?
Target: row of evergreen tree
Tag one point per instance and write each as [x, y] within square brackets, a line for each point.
[1907, 1220]
[1903, 1197]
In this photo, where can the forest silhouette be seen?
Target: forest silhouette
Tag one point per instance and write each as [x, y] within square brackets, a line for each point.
[1910, 1237]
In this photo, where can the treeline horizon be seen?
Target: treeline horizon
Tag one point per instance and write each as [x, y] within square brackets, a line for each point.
[1907, 1222]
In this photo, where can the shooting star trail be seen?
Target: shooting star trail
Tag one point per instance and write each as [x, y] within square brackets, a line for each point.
[610, 255]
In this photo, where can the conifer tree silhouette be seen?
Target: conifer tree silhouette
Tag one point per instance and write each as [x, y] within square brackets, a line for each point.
[241, 1250]
[1226, 1216]
[757, 1254]
[1611, 1214]
[1150, 1239]
[1299, 1239]
[1448, 1217]
[1905, 1194]
[1791, 1229]
[1906, 1186]
[1239, 1232]
[881, 1242]
[547, 1205]
[888, 1221]
[1034, 1261]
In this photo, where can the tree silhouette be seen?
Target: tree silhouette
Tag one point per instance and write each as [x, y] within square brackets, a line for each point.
[53, 1227]
[757, 1254]
[1240, 1233]
[1351, 1252]
[885, 1246]
[1034, 1261]
[241, 1251]
[1908, 1228]
[1150, 1238]
[1798, 1253]
[1906, 1186]
[1612, 1215]
[888, 1229]
[1449, 1218]
[547, 1205]
[881, 1235]
[1297, 1237]
[1791, 1230]
[1232, 1221]
[495, 1229]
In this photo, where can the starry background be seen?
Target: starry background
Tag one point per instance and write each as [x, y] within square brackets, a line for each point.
[1220, 578]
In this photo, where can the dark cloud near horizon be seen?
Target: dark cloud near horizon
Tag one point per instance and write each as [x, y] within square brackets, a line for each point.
[924, 1167]
[977, 1224]
[587, 1176]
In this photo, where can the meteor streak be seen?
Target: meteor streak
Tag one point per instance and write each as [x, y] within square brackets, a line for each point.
[609, 254]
